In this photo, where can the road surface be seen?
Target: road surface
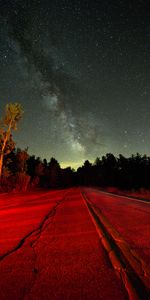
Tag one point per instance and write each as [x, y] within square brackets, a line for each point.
[50, 249]
[130, 217]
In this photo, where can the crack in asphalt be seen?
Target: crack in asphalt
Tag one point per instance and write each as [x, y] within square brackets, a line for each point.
[41, 229]
[45, 224]
[37, 231]
[35, 234]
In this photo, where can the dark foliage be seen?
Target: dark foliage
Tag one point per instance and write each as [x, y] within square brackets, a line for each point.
[22, 171]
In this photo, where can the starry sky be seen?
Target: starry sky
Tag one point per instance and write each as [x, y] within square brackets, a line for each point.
[81, 70]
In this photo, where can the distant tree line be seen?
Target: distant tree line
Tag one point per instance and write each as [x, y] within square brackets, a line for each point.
[22, 171]
[120, 172]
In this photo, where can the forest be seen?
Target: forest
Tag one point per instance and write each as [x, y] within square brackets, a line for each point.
[20, 171]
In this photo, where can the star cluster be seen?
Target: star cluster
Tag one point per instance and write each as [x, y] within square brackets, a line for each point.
[81, 71]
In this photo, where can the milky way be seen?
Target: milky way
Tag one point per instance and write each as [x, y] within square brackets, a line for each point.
[81, 71]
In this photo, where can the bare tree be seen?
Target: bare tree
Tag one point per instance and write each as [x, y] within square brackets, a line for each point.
[13, 114]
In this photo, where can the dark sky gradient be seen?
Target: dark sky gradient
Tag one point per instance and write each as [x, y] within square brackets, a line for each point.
[81, 70]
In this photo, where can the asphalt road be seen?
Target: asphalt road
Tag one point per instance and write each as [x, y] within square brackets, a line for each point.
[130, 217]
[49, 248]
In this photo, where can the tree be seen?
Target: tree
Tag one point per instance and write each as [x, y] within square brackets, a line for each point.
[13, 114]
[54, 171]
[21, 160]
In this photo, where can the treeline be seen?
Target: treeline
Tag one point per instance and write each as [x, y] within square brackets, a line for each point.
[22, 172]
[121, 172]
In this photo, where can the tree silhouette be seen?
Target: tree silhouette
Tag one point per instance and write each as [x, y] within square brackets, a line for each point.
[21, 160]
[54, 171]
[13, 114]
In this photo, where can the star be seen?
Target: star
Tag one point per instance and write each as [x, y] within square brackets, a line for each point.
[82, 69]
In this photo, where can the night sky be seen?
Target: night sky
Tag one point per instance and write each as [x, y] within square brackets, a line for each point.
[81, 70]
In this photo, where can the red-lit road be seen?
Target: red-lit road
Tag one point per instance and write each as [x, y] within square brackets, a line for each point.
[130, 217]
[49, 248]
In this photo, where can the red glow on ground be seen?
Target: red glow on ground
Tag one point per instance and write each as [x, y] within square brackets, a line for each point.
[49, 248]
